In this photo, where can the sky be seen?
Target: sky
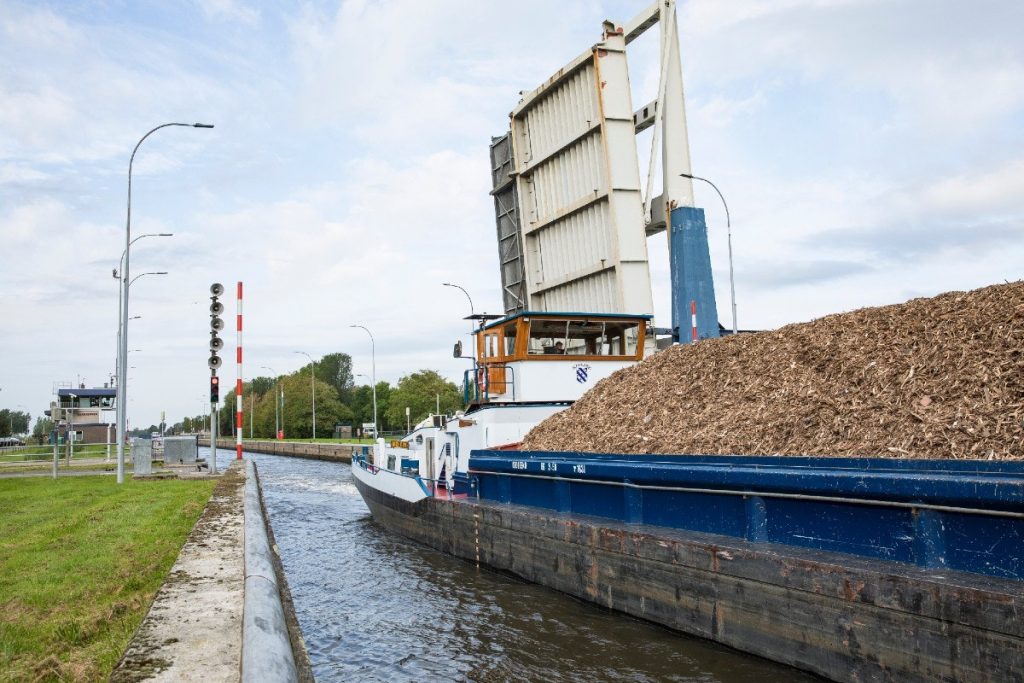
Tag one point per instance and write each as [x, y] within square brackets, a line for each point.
[871, 151]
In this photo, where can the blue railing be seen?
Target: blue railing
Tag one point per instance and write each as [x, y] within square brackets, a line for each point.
[964, 515]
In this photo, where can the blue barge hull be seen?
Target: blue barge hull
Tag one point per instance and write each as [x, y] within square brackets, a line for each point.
[961, 515]
[854, 569]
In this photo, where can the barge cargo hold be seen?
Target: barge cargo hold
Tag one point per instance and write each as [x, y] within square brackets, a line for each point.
[854, 569]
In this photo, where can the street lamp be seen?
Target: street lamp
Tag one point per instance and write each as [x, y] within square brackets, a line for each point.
[152, 272]
[71, 428]
[120, 286]
[472, 313]
[122, 383]
[313, 383]
[728, 228]
[373, 379]
[277, 381]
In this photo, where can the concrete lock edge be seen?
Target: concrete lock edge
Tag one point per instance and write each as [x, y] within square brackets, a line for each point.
[266, 650]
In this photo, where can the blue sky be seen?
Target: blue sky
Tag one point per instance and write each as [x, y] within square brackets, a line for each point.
[871, 151]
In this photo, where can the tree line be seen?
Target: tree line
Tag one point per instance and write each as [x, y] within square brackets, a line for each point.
[14, 422]
[339, 401]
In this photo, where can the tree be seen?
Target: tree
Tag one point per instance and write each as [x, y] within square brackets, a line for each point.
[16, 419]
[259, 388]
[361, 403]
[298, 407]
[384, 391]
[41, 432]
[336, 370]
[419, 392]
[261, 385]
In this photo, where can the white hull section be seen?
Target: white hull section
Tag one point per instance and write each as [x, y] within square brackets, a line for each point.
[411, 489]
[430, 457]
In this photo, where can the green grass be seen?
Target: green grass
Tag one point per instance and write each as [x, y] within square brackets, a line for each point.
[46, 452]
[80, 561]
[62, 466]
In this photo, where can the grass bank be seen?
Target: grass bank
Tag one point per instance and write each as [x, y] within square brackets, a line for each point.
[46, 452]
[80, 561]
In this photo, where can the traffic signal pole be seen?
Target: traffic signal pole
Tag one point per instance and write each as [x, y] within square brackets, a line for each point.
[216, 344]
[213, 438]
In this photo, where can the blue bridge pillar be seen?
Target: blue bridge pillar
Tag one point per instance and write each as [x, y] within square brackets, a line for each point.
[690, 262]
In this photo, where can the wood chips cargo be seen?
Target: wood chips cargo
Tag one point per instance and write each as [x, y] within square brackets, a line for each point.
[932, 378]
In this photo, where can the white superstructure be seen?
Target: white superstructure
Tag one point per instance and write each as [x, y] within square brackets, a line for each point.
[528, 367]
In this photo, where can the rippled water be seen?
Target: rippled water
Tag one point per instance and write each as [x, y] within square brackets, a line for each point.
[376, 607]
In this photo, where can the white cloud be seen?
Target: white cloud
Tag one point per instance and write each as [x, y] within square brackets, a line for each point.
[944, 66]
[230, 10]
[18, 173]
[997, 189]
[721, 111]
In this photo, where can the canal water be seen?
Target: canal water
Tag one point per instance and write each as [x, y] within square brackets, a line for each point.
[375, 607]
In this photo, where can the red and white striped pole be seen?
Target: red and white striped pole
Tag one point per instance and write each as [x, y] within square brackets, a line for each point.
[693, 318]
[238, 383]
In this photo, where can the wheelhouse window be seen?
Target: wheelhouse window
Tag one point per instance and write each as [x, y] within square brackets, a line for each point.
[583, 337]
[491, 346]
[509, 332]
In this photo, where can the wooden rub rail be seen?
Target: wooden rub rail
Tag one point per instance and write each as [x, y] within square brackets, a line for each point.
[332, 452]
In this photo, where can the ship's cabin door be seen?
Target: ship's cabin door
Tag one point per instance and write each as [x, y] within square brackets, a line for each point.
[429, 449]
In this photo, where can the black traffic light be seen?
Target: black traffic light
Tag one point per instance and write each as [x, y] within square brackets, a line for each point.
[214, 389]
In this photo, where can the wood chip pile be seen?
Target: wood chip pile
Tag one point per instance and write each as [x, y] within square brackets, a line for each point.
[931, 378]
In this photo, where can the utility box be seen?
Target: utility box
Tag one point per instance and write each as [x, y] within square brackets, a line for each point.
[181, 450]
[142, 457]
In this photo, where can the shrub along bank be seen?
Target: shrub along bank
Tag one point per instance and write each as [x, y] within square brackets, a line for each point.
[80, 561]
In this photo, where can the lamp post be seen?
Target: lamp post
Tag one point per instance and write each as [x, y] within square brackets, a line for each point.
[120, 329]
[472, 313]
[120, 285]
[71, 428]
[728, 228]
[312, 378]
[373, 376]
[277, 382]
[122, 383]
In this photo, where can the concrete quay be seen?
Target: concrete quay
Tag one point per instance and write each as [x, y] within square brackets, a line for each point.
[330, 452]
[224, 612]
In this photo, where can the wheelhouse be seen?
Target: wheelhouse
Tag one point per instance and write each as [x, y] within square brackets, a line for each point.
[560, 336]
[512, 353]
